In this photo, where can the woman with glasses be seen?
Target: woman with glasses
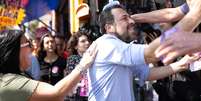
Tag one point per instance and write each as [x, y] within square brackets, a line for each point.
[14, 53]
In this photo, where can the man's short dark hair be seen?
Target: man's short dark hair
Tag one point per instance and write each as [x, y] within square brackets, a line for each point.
[74, 39]
[106, 17]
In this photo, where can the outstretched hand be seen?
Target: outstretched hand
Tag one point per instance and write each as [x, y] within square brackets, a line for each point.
[178, 44]
[186, 61]
[89, 56]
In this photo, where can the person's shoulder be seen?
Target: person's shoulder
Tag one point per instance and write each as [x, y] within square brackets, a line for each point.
[18, 85]
[107, 37]
[108, 40]
[17, 78]
[9, 76]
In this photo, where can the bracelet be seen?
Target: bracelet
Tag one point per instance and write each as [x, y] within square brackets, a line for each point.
[167, 33]
[184, 8]
[81, 69]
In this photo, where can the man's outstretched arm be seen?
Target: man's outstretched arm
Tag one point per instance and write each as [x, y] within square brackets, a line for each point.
[157, 16]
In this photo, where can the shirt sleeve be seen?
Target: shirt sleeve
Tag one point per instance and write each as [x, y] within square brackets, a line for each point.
[17, 88]
[184, 8]
[121, 53]
[141, 72]
[127, 55]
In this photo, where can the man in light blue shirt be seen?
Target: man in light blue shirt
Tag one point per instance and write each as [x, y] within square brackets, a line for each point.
[117, 62]
[114, 69]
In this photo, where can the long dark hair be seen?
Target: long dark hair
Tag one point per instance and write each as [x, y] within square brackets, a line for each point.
[10, 51]
[73, 41]
[41, 53]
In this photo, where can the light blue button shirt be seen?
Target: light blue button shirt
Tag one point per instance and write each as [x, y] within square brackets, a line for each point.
[116, 63]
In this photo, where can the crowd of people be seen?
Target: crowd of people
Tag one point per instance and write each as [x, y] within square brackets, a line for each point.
[51, 68]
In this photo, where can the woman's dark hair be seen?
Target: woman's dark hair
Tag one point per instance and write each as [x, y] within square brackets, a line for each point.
[10, 51]
[41, 53]
[73, 41]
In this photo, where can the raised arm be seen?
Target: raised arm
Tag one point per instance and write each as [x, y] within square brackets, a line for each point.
[163, 15]
[175, 44]
[149, 51]
[180, 43]
[47, 92]
[192, 19]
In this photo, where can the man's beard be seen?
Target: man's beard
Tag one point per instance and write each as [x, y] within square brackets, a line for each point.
[128, 36]
[132, 33]
[124, 38]
[128, 39]
[131, 36]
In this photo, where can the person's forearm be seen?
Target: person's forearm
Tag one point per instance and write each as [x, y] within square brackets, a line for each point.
[189, 22]
[66, 85]
[164, 71]
[149, 51]
[164, 15]
[47, 92]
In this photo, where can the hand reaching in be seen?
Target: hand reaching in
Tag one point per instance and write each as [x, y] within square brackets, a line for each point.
[89, 56]
[183, 64]
[178, 44]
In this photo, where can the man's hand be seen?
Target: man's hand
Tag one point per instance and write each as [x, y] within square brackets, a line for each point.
[178, 44]
[183, 64]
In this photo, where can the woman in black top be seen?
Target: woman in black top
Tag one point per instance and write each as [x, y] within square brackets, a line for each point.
[52, 65]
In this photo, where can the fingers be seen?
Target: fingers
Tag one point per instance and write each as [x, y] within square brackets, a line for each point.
[155, 35]
[133, 17]
[168, 51]
[150, 36]
[172, 55]
[169, 58]
[195, 56]
[191, 58]
[90, 54]
[164, 49]
[94, 50]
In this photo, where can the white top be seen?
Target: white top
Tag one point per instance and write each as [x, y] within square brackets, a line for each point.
[116, 63]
